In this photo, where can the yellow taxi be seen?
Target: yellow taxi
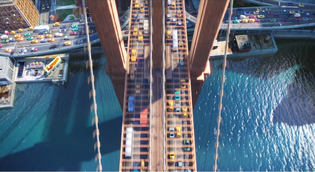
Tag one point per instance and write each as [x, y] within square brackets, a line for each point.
[261, 16]
[291, 12]
[133, 55]
[136, 3]
[173, 5]
[35, 41]
[256, 12]
[31, 28]
[245, 21]
[68, 43]
[140, 37]
[138, 89]
[301, 5]
[17, 36]
[142, 163]
[179, 13]
[170, 103]
[169, 34]
[251, 20]
[179, 131]
[51, 40]
[259, 9]
[20, 39]
[12, 32]
[56, 24]
[172, 157]
[20, 30]
[142, 10]
[184, 109]
[48, 36]
[182, 83]
[40, 37]
[135, 31]
[8, 50]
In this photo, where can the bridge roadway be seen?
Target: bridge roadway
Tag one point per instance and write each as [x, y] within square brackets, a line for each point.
[179, 112]
[135, 138]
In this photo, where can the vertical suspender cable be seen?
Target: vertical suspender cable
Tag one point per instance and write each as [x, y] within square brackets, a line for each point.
[222, 89]
[163, 84]
[151, 80]
[99, 168]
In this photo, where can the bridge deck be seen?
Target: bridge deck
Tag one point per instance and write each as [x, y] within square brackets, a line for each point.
[179, 117]
[135, 138]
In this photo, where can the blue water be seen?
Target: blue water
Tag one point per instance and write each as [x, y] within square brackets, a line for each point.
[268, 117]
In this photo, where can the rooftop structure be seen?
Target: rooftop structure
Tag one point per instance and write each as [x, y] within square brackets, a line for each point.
[6, 71]
[243, 43]
[15, 14]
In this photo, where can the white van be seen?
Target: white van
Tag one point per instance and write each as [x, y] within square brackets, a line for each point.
[4, 37]
[243, 17]
[297, 15]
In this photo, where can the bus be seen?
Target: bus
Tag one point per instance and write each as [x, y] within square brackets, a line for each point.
[40, 28]
[129, 140]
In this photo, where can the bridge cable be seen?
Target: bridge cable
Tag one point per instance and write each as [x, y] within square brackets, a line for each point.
[96, 134]
[222, 89]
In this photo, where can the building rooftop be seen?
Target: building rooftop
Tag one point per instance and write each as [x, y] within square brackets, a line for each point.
[242, 42]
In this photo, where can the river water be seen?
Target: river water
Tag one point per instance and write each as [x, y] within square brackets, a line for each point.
[268, 117]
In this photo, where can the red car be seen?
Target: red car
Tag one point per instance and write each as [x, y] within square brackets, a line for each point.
[126, 32]
[297, 18]
[34, 49]
[252, 16]
[1, 45]
[270, 12]
[73, 33]
[257, 20]
[6, 32]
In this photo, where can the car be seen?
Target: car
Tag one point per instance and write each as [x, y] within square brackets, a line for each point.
[168, 17]
[245, 21]
[56, 24]
[51, 40]
[273, 20]
[301, 11]
[12, 40]
[188, 25]
[262, 12]
[35, 41]
[246, 13]
[283, 11]
[58, 34]
[73, 33]
[301, 5]
[305, 19]
[4, 37]
[261, 16]
[74, 26]
[292, 12]
[23, 50]
[47, 5]
[256, 12]
[62, 30]
[20, 39]
[252, 16]
[63, 27]
[43, 7]
[187, 149]
[257, 20]
[234, 18]
[179, 24]
[179, 13]
[67, 38]
[133, 56]
[17, 36]
[75, 29]
[34, 49]
[276, 16]
[288, 15]
[268, 9]
[186, 142]
[68, 43]
[239, 10]
[173, 5]
[178, 131]
[20, 30]
[172, 157]
[31, 28]
[307, 14]
[80, 41]
[40, 36]
[251, 20]
[289, 4]
[48, 36]
[41, 33]
[259, 9]
[48, 32]
[183, 83]
[270, 12]
[177, 97]
[285, 19]
[8, 50]
[43, 40]
[297, 18]
[12, 32]
[30, 38]
[1, 45]
[82, 20]
[6, 32]
[131, 103]
[53, 46]
[171, 129]
[5, 41]
[27, 34]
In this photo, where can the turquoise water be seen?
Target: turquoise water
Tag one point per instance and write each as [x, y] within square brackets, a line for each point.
[268, 117]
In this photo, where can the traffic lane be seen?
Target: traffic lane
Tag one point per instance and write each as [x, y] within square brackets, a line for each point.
[267, 24]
